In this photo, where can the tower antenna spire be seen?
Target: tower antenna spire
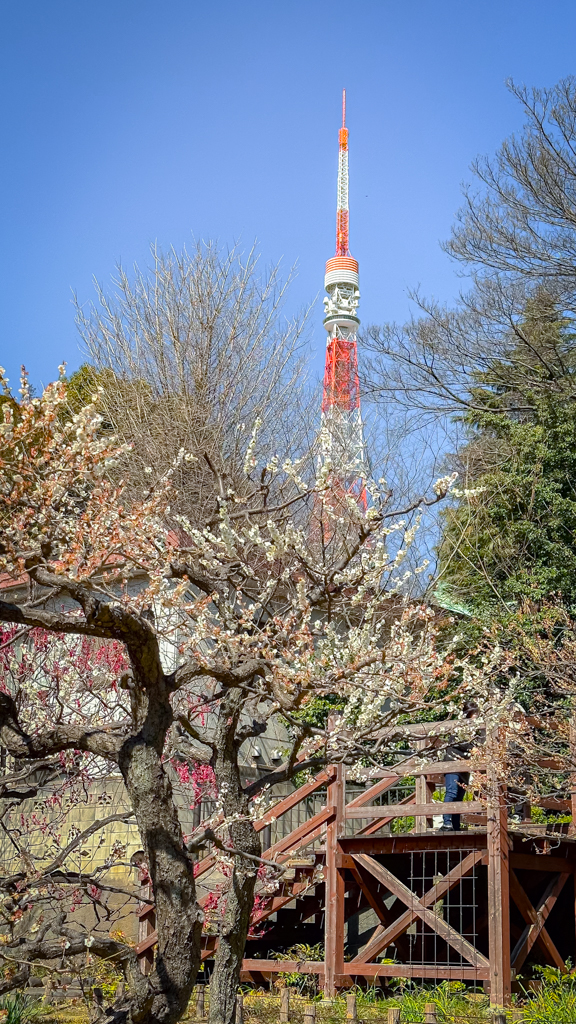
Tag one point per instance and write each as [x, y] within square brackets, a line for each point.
[342, 205]
[341, 417]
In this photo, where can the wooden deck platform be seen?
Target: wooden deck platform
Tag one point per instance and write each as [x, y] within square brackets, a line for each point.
[473, 905]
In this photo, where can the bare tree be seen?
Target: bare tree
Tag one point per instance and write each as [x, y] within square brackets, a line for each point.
[516, 240]
[190, 353]
[521, 221]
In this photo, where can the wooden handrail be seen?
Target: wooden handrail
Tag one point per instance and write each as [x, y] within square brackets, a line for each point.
[428, 768]
[289, 842]
[374, 791]
[422, 729]
[293, 799]
[417, 810]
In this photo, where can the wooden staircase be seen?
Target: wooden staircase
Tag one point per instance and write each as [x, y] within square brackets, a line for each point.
[344, 859]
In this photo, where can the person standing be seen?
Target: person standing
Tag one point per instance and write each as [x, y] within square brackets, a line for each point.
[456, 783]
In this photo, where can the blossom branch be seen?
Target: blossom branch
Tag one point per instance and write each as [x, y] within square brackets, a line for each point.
[104, 740]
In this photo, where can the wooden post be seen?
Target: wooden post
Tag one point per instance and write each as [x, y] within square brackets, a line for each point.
[498, 1018]
[351, 1011]
[394, 1015]
[572, 828]
[334, 883]
[285, 1005]
[146, 919]
[498, 878]
[200, 991]
[424, 791]
[430, 1013]
[310, 1013]
[239, 1008]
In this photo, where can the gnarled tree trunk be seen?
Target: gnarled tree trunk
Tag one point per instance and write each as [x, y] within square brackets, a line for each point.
[178, 915]
[244, 839]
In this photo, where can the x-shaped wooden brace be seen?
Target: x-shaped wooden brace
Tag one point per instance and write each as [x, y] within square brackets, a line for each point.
[535, 918]
[418, 907]
[365, 882]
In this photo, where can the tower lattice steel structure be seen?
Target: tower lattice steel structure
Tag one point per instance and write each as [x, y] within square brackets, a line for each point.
[343, 436]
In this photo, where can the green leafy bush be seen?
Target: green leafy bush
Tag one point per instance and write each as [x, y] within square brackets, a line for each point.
[555, 1001]
[16, 1008]
[303, 983]
[452, 1000]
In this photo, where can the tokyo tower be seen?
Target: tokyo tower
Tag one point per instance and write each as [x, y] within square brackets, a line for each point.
[342, 432]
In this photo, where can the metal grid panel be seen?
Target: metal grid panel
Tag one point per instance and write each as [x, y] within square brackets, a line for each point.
[457, 907]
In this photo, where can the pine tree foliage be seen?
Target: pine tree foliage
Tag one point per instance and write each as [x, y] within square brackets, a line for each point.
[512, 536]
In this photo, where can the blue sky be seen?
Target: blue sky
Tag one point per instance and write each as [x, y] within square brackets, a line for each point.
[125, 122]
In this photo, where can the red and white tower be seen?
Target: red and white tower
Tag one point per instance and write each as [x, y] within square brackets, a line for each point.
[342, 433]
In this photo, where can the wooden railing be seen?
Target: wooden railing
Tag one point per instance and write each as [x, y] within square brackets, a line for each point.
[329, 824]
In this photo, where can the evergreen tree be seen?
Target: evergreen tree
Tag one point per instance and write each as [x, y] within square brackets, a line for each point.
[511, 539]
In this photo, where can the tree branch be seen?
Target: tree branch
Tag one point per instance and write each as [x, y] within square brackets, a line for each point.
[209, 836]
[105, 740]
